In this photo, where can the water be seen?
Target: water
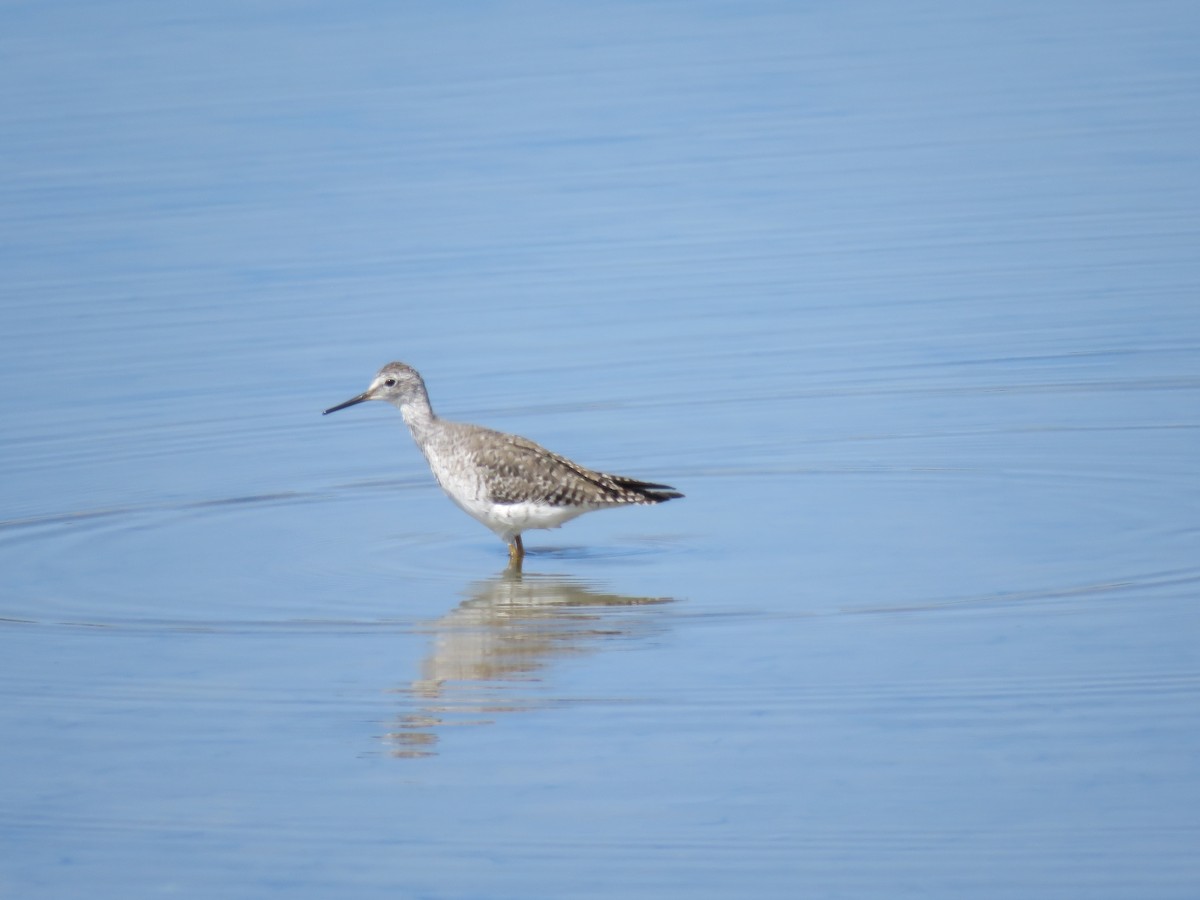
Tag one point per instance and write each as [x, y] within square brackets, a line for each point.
[903, 299]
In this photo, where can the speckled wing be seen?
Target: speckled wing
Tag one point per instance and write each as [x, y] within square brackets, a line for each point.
[516, 470]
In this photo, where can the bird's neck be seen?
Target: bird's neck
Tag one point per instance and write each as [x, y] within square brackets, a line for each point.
[418, 414]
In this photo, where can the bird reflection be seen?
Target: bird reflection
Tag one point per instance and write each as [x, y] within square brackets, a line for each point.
[487, 652]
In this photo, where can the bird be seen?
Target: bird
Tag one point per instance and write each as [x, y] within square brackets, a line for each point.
[507, 482]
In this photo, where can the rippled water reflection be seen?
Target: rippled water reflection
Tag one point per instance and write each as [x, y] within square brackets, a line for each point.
[499, 640]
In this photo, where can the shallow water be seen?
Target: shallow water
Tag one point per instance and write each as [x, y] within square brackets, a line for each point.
[904, 301]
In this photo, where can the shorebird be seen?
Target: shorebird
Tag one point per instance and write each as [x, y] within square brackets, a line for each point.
[505, 481]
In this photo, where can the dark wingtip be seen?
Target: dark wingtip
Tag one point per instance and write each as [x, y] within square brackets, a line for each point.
[655, 493]
[663, 496]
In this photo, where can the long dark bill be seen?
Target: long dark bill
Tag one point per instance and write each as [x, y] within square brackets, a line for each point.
[351, 402]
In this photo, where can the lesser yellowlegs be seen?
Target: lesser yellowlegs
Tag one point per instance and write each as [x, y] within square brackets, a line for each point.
[507, 482]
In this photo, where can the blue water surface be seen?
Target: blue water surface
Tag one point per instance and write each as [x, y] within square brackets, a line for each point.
[903, 297]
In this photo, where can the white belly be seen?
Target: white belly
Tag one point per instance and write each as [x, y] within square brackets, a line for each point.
[510, 519]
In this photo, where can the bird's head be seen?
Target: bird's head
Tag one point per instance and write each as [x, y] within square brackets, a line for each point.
[397, 383]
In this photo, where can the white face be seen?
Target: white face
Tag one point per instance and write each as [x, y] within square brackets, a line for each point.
[396, 383]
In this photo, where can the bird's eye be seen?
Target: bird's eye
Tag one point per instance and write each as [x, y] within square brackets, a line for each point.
[391, 382]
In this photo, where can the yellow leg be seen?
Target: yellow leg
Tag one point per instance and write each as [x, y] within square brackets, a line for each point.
[516, 552]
